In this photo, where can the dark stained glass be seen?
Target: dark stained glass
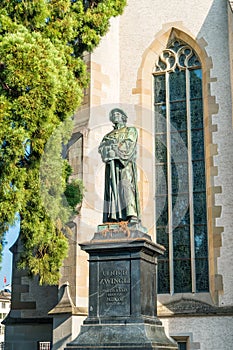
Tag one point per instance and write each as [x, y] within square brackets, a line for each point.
[161, 66]
[182, 60]
[178, 115]
[179, 141]
[163, 276]
[196, 114]
[171, 61]
[179, 150]
[197, 144]
[180, 210]
[201, 243]
[177, 86]
[199, 176]
[194, 61]
[161, 179]
[159, 88]
[176, 45]
[160, 118]
[182, 63]
[162, 210]
[202, 275]
[195, 83]
[180, 181]
[182, 276]
[182, 346]
[181, 242]
[161, 148]
[199, 206]
[162, 238]
[175, 179]
[187, 51]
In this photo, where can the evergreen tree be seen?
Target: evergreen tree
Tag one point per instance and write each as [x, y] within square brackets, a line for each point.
[42, 76]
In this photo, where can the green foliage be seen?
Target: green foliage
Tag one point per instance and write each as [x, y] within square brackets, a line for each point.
[42, 76]
[74, 193]
[54, 174]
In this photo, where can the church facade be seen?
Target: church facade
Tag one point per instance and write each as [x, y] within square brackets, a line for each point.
[169, 66]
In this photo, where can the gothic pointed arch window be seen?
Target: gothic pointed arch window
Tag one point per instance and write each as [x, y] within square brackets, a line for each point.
[181, 215]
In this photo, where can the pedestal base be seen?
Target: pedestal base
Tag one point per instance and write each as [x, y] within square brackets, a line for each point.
[122, 293]
[123, 336]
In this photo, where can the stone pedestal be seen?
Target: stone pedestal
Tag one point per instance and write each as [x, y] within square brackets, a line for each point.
[122, 293]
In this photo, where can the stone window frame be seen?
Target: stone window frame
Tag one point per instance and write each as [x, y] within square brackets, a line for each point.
[182, 339]
[144, 91]
[187, 338]
[168, 64]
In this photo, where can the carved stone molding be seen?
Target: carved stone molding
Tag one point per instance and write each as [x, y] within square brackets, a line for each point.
[189, 307]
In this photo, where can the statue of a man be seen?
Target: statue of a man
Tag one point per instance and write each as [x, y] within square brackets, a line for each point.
[118, 152]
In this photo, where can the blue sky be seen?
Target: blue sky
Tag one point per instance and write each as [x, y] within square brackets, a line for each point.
[6, 264]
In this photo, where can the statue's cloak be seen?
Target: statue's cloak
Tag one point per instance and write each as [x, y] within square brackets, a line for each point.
[121, 200]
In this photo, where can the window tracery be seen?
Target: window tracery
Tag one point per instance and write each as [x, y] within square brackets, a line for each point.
[180, 171]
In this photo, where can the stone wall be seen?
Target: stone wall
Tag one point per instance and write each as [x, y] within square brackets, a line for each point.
[201, 333]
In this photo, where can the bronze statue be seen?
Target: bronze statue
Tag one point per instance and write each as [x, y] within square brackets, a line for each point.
[118, 151]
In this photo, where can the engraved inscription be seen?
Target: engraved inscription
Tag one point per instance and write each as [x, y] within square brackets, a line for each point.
[114, 277]
[117, 295]
[114, 288]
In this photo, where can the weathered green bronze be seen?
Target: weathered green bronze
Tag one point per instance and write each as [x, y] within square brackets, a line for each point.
[118, 151]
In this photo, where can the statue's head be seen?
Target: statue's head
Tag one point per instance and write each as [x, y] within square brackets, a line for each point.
[114, 114]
